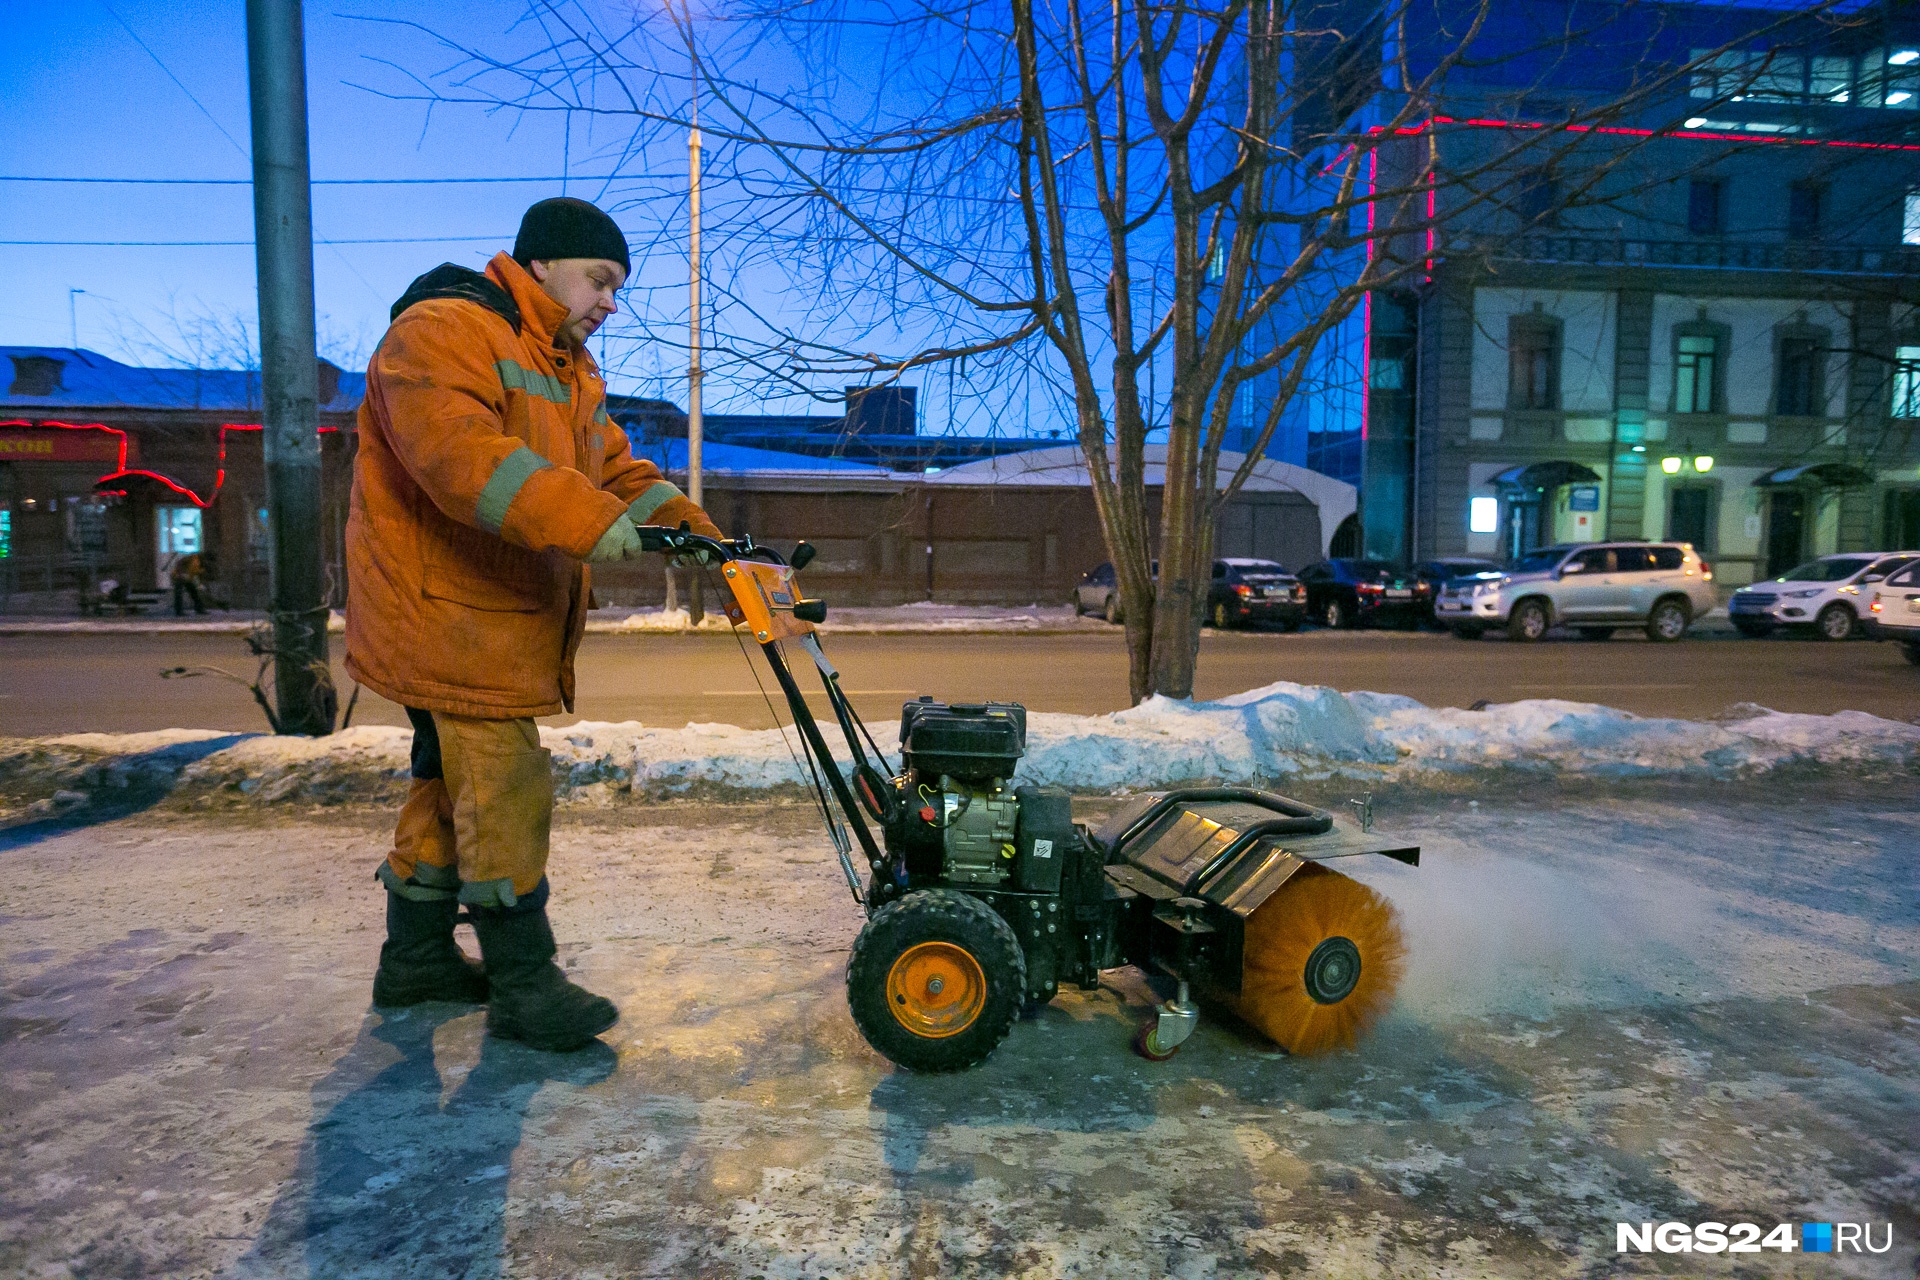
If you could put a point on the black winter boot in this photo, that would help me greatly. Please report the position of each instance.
(529, 998)
(420, 961)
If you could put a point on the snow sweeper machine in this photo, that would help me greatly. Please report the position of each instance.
(984, 897)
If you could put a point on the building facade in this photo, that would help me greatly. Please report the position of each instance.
(112, 472)
(1690, 314)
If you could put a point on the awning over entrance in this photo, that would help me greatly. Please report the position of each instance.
(1546, 475)
(150, 485)
(1815, 475)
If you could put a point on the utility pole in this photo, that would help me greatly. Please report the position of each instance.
(696, 427)
(73, 319)
(289, 375)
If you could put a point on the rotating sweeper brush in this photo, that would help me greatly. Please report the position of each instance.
(984, 897)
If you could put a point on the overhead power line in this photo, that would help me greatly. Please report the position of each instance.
(202, 244)
(335, 182)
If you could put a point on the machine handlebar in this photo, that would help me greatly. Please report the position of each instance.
(655, 537)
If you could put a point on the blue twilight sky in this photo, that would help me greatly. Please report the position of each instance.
(85, 99)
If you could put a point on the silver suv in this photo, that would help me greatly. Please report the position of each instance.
(1595, 588)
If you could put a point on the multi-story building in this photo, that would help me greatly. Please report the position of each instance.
(1694, 316)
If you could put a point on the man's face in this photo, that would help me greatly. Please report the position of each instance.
(585, 287)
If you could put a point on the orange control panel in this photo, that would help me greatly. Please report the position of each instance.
(763, 599)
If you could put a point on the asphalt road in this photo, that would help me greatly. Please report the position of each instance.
(69, 683)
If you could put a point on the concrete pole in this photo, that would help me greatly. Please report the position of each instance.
(283, 254)
(696, 427)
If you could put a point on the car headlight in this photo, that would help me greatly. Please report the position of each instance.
(1802, 595)
(1487, 588)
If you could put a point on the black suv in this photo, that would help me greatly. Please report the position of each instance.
(1348, 592)
(1248, 591)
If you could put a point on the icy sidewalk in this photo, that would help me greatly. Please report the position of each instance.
(1280, 731)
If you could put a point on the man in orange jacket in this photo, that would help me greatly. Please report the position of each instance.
(488, 471)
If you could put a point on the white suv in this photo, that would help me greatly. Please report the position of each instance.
(1595, 588)
(1895, 609)
(1830, 595)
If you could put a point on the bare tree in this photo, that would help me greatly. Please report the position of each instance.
(1084, 201)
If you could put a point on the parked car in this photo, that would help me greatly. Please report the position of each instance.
(1099, 592)
(1245, 591)
(1893, 611)
(1348, 592)
(1830, 595)
(1438, 573)
(1594, 588)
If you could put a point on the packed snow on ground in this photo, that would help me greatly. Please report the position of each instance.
(1278, 731)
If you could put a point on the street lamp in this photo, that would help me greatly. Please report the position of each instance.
(1671, 465)
(696, 426)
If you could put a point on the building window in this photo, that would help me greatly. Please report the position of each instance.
(1705, 202)
(1803, 211)
(1910, 224)
(1537, 197)
(179, 530)
(1533, 363)
(6, 532)
(1799, 389)
(1906, 383)
(1483, 515)
(1696, 369)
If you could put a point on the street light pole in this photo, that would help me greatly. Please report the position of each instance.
(289, 374)
(696, 426)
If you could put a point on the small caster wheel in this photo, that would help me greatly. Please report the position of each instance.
(1147, 1042)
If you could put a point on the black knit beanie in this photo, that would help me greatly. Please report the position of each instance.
(564, 227)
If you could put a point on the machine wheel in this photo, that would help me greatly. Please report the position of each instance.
(1221, 621)
(1336, 616)
(1836, 622)
(1754, 630)
(936, 980)
(1913, 653)
(1466, 631)
(1596, 633)
(1528, 621)
(1668, 621)
(1146, 1041)
(1113, 606)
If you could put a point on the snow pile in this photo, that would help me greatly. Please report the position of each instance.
(649, 621)
(1549, 734)
(919, 617)
(1281, 730)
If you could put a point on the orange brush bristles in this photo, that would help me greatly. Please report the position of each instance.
(1317, 904)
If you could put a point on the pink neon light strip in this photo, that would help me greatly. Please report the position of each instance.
(1481, 122)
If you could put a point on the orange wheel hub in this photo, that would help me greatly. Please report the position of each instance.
(936, 989)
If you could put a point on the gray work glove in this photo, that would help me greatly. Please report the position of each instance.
(702, 556)
(621, 541)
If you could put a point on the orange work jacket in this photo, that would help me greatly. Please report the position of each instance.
(486, 471)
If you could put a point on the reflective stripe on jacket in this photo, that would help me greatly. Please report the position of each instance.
(487, 469)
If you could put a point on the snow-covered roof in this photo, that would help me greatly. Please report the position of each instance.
(733, 459)
(88, 380)
(1067, 465)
